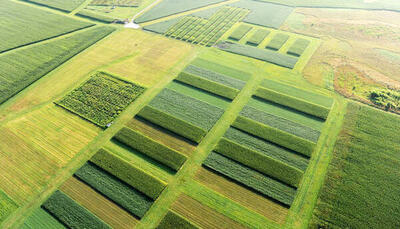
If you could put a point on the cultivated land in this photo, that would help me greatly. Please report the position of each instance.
(211, 114)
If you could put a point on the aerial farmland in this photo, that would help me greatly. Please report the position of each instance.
(199, 114)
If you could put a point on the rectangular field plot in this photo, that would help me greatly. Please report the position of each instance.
(259, 54)
(298, 47)
(257, 37)
(175, 220)
(101, 99)
(40, 218)
(23, 67)
(201, 31)
(22, 25)
(202, 215)
(240, 32)
(64, 5)
(277, 41)
(99, 205)
(70, 213)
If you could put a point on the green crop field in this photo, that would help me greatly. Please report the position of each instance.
(64, 5)
(145, 114)
(22, 25)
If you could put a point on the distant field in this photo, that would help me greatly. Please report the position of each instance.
(64, 5)
(21, 25)
(362, 184)
(21, 68)
(133, 3)
(383, 4)
(170, 7)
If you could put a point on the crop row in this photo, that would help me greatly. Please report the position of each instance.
(293, 102)
(298, 93)
(137, 178)
(276, 136)
(268, 148)
(174, 220)
(151, 148)
(206, 32)
(176, 125)
(260, 54)
(250, 178)
(71, 214)
(214, 76)
(101, 98)
(260, 162)
(208, 85)
(114, 189)
(281, 123)
(196, 112)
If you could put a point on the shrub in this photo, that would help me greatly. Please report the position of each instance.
(260, 54)
(151, 148)
(293, 102)
(114, 189)
(173, 220)
(240, 32)
(260, 162)
(72, 214)
(250, 178)
(276, 136)
(208, 85)
(258, 37)
(137, 178)
(173, 124)
(298, 47)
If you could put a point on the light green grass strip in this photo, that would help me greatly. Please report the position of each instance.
(292, 102)
(207, 85)
(279, 137)
(260, 162)
(137, 178)
(173, 124)
(7, 206)
(151, 148)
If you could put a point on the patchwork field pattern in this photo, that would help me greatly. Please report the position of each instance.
(264, 151)
(102, 98)
(23, 67)
(22, 25)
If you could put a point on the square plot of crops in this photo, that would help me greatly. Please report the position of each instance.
(102, 98)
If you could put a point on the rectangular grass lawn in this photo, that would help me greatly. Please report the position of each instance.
(21, 25)
(362, 185)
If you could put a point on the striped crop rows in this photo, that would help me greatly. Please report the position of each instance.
(206, 32)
